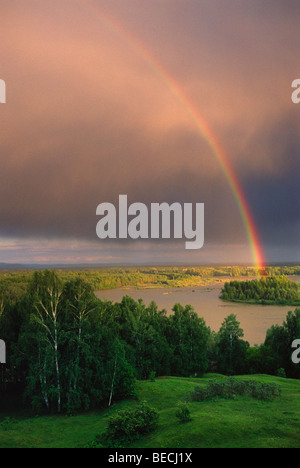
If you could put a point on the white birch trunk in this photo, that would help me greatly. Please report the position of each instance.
(112, 384)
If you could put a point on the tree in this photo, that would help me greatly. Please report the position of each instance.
(188, 337)
(143, 331)
(73, 360)
(46, 291)
(280, 339)
(121, 374)
(231, 349)
(78, 303)
(261, 360)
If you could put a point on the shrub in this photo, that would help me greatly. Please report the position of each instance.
(8, 423)
(127, 426)
(183, 413)
(230, 387)
(281, 373)
(199, 394)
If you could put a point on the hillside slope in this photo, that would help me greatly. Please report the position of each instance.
(243, 422)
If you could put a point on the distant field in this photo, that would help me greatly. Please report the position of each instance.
(15, 282)
(244, 422)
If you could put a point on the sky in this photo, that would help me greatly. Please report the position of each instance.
(91, 114)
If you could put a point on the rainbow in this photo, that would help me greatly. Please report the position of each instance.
(138, 48)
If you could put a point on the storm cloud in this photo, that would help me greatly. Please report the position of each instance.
(88, 118)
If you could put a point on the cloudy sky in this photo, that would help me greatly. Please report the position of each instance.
(91, 114)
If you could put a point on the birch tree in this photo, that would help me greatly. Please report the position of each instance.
(231, 349)
(79, 302)
(47, 291)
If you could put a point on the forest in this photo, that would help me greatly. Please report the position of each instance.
(270, 290)
(15, 282)
(68, 351)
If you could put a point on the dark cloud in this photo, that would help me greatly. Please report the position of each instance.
(89, 116)
(274, 194)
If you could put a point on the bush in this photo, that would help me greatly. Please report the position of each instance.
(127, 426)
(229, 388)
(8, 423)
(199, 394)
(281, 373)
(183, 413)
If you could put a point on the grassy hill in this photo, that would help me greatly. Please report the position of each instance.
(243, 422)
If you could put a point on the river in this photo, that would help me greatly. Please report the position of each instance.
(254, 319)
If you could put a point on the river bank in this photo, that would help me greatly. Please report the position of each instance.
(254, 319)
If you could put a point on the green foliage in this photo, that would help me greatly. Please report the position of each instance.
(157, 343)
(216, 423)
(127, 426)
(280, 338)
(261, 360)
(281, 373)
(66, 358)
(75, 352)
(8, 423)
(69, 351)
(231, 350)
(230, 388)
(16, 282)
(270, 290)
(188, 337)
(183, 413)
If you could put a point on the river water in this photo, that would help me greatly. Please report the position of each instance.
(254, 319)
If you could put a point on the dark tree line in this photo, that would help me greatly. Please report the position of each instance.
(60, 354)
(277, 290)
(68, 350)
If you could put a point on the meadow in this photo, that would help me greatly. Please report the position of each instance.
(64, 370)
(239, 423)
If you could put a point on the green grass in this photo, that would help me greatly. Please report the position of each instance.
(243, 422)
